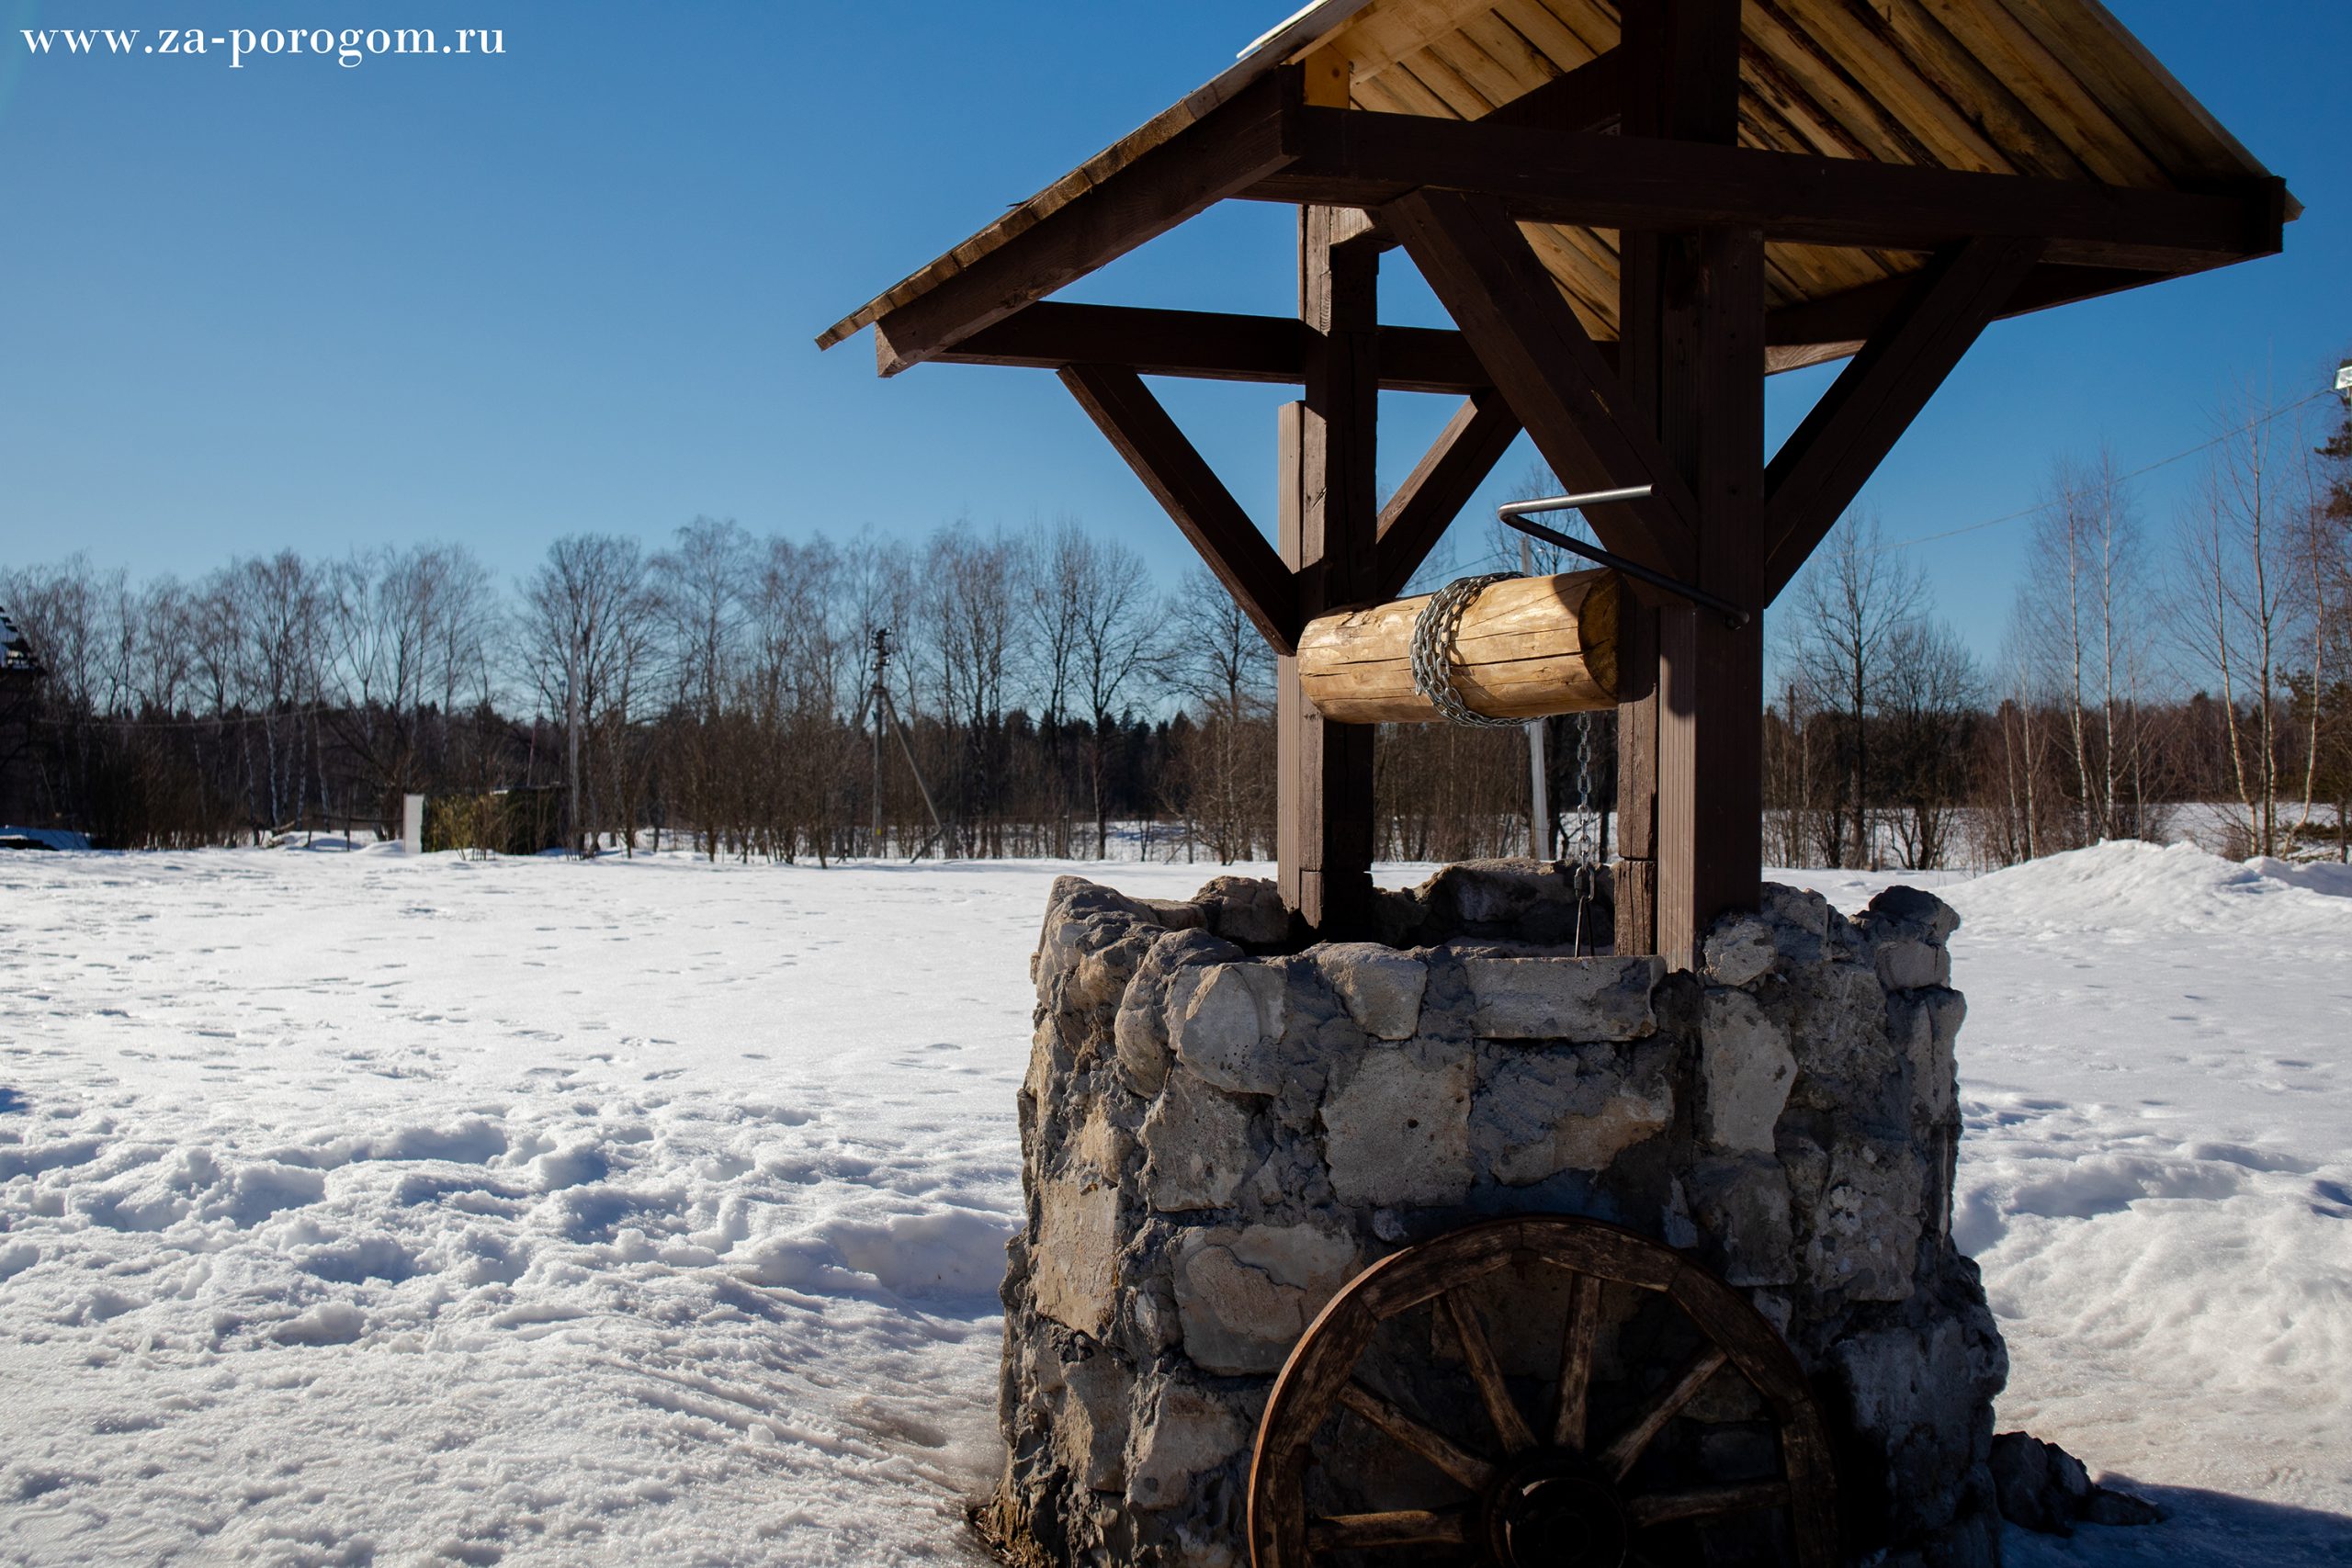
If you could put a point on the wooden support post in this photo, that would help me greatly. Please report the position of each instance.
(1692, 358)
(1330, 528)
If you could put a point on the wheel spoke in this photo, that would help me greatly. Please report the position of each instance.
(1479, 1356)
(1404, 1526)
(1468, 1469)
(1576, 1363)
(1619, 1458)
(1659, 1507)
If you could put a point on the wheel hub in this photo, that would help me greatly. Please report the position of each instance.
(1554, 1508)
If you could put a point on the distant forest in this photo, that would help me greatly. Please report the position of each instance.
(719, 691)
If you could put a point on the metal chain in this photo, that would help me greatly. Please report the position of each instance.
(1433, 633)
(1586, 839)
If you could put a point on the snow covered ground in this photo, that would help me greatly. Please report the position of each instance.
(361, 1209)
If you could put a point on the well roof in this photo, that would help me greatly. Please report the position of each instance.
(2057, 89)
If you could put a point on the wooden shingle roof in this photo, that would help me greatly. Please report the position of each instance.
(2053, 93)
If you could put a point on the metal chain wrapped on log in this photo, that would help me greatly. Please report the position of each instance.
(1524, 647)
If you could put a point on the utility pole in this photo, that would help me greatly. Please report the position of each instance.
(1539, 804)
(886, 714)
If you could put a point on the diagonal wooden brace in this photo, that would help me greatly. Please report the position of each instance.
(1175, 473)
(1823, 465)
(1549, 370)
(1440, 486)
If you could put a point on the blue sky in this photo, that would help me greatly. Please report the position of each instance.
(573, 288)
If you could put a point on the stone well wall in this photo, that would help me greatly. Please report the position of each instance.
(1217, 1134)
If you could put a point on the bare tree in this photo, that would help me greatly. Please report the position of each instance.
(1928, 709)
(583, 641)
(973, 614)
(1058, 568)
(410, 636)
(1220, 662)
(1852, 598)
(2082, 637)
(1118, 648)
(2248, 607)
(696, 590)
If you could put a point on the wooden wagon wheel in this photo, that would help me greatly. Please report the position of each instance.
(1538, 1494)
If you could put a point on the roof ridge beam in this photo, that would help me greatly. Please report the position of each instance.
(1368, 157)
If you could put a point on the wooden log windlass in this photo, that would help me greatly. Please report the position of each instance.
(1525, 648)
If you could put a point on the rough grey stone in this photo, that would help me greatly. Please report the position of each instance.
(1177, 915)
(1739, 950)
(2041, 1485)
(1563, 998)
(1577, 1108)
(1077, 1253)
(1246, 910)
(1741, 1207)
(1090, 1426)
(1101, 1149)
(1805, 929)
(1197, 1146)
(1747, 1068)
(1866, 1226)
(1244, 1295)
(1139, 1028)
(1913, 913)
(1906, 964)
(1188, 1430)
(1399, 1132)
(1926, 1025)
(1380, 987)
(1139, 1039)
(1222, 1021)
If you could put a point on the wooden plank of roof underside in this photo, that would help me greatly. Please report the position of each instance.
(1451, 74)
(1941, 62)
(1390, 30)
(1823, 90)
(1583, 262)
(1778, 115)
(2116, 68)
(1567, 41)
(1794, 275)
(1986, 29)
(1857, 41)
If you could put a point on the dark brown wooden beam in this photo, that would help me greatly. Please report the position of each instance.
(1208, 345)
(1173, 470)
(1440, 486)
(1323, 820)
(1552, 373)
(1590, 97)
(1826, 460)
(1106, 213)
(1690, 311)
(1838, 325)
(1200, 343)
(1359, 157)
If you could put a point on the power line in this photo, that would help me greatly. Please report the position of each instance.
(2146, 469)
(1496, 557)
